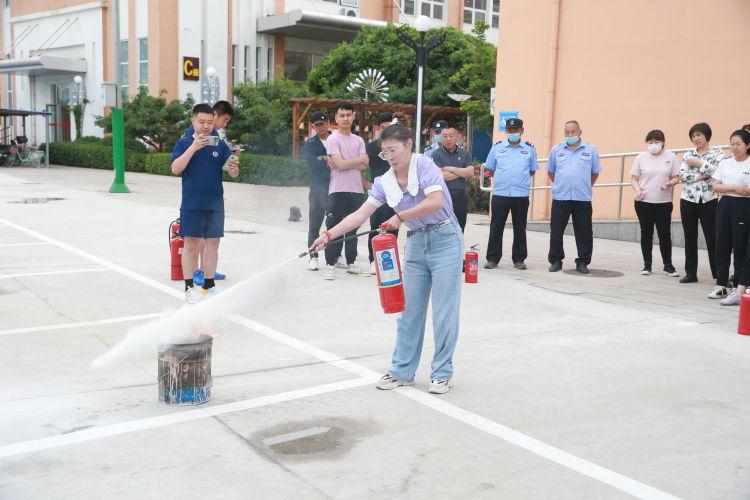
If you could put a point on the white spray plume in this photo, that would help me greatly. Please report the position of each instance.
(190, 323)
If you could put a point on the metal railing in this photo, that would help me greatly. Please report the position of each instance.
(618, 185)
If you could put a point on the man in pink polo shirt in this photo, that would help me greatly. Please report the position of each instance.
(345, 193)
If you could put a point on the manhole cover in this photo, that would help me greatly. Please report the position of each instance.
(596, 273)
(36, 200)
(237, 231)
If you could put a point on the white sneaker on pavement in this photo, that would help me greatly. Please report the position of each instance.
(341, 263)
(441, 386)
(313, 264)
(330, 272)
(195, 294)
(719, 292)
(373, 271)
(352, 269)
(733, 299)
(388, 382)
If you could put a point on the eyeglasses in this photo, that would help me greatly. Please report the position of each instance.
(388, 153)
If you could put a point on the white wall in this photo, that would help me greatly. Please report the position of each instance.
(189, 38)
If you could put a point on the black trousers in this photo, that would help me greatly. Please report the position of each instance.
(318, 201)
(339, 206)
(518, 206)
(382, 214)
(460, 206)
(659, 214)
(691, 213)
(584, 233)
(731, 237)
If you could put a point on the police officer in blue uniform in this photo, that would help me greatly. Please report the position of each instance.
(514, 163)
(317, 159)
(573, 169)
(437, 129)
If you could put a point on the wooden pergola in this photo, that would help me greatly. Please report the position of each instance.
(366, 114)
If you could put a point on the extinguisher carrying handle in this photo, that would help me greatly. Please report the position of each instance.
(307, 252)
(169, 233)
(474, 247)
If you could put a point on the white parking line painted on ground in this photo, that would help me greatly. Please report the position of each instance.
(293, 436)
(174, 418)
(602, 474)
(45, 273)
(30, 244)
(80, 324)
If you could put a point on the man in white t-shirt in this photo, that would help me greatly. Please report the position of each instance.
(348, 158)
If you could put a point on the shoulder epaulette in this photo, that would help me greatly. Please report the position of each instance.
(529, 144)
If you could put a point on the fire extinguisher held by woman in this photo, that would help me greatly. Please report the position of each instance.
(415, 189)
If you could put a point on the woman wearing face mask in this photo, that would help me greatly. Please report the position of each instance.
(732, 181)
(653, 175)
(415, 189)
(698, 201)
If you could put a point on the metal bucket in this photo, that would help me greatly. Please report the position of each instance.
(185, 373)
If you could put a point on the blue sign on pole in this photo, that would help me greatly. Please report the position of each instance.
(503, 117)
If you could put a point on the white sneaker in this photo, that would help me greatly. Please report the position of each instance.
(313, 265)
(352, 269)
(373, 271)
(330, 272)
(441, 386)
(719, 292)
(195, 294)
(733, 299)
(387, 382)
(210, 292)
(341, 263)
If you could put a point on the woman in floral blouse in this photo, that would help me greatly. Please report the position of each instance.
(698, 201)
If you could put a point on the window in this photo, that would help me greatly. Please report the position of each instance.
(475, 10)
(247, 62)
(408, 7)
(495, 13)
(297, 65)
(269, 65)
(143, 62)
(433, 8)
(257, 64)
(234, 64)
(124, 69)
(10, 90)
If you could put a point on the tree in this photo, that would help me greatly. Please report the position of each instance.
(153, 120)
(471, 57)
(263, 115)
(78, 113)
(476, 77)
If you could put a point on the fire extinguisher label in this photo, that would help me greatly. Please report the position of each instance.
(389, 272)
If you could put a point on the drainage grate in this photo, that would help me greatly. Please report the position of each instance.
(596, 273)
(36, 200)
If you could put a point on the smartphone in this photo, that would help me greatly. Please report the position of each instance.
(213, 140)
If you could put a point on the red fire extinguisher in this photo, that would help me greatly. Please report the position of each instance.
(175, 250)
(471, 265)
(743, 325)
(388, 266)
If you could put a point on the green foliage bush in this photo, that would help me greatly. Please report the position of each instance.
(254, 169)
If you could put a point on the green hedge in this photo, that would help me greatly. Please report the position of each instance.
(254, 169)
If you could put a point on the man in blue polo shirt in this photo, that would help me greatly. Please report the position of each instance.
(514, 163)
(199, 160)
(573, 169)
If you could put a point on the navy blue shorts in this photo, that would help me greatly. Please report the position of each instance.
(202, 223)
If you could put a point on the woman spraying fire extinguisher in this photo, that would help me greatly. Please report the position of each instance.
(415, 189)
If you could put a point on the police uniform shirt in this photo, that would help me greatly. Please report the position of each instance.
(458, 158)
(512, 166)
(320, 174)
(573, 169)
(430, 150)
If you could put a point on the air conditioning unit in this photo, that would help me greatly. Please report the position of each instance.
(350, 12)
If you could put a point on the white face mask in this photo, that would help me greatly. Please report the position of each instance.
(654, 147)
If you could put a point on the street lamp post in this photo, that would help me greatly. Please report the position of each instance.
(210, 87)
(422, 48)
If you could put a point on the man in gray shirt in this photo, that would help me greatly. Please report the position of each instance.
(456, 165)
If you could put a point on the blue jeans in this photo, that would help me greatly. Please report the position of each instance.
(432, 263)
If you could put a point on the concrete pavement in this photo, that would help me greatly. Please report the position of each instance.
(567, 386)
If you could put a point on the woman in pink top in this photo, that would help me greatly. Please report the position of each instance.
(653, 175)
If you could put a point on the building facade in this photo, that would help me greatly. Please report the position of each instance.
(167, 45)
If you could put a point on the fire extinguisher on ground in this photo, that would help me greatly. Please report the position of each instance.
(471, 264)
(388, 270)
(176, 243)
